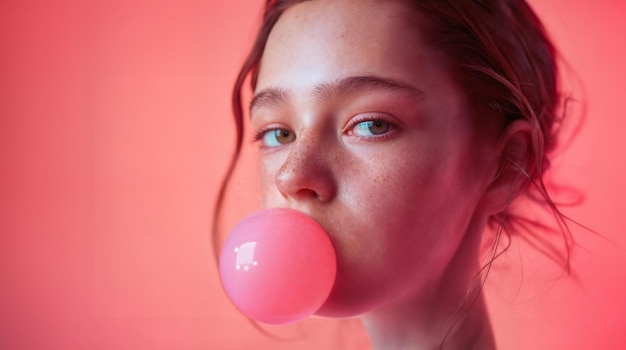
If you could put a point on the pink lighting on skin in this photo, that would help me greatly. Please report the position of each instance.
(115, 131)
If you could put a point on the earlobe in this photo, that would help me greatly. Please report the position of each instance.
(517, 148)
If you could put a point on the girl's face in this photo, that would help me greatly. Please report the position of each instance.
(362, 126)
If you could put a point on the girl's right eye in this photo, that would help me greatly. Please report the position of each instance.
(275, 137)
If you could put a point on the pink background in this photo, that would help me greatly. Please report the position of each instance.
(115, 131)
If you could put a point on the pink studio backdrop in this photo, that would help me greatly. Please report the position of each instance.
(115, 131)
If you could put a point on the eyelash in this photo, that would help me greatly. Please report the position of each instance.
(349, 129)
(260, 134)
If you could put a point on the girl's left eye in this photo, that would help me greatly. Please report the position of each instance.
(275, 137)
(372, 128)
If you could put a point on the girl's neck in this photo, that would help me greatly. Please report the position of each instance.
(410, 328)
(449, 315)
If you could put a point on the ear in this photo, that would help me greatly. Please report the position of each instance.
(517, 148)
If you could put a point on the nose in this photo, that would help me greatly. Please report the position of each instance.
(307, 173)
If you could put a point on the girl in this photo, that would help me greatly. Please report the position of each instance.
(406, 129)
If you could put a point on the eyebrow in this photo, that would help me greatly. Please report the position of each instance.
(350, 85)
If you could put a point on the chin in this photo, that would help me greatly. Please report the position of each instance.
(346, 305)
(337, 310)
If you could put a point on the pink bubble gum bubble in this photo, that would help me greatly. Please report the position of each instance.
(278, 266)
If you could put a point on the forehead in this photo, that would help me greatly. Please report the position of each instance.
(317, 41)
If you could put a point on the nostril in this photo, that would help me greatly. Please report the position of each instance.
(306, 174)
(309, 193)
(306, 184)
(301, 194)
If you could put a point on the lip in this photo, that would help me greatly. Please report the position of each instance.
(322, 220)
(305, 212)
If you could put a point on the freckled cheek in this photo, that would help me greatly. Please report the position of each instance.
(267, 183)
(400, 195)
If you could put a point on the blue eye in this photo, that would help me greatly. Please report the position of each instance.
(372, 128)
(276, 137)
